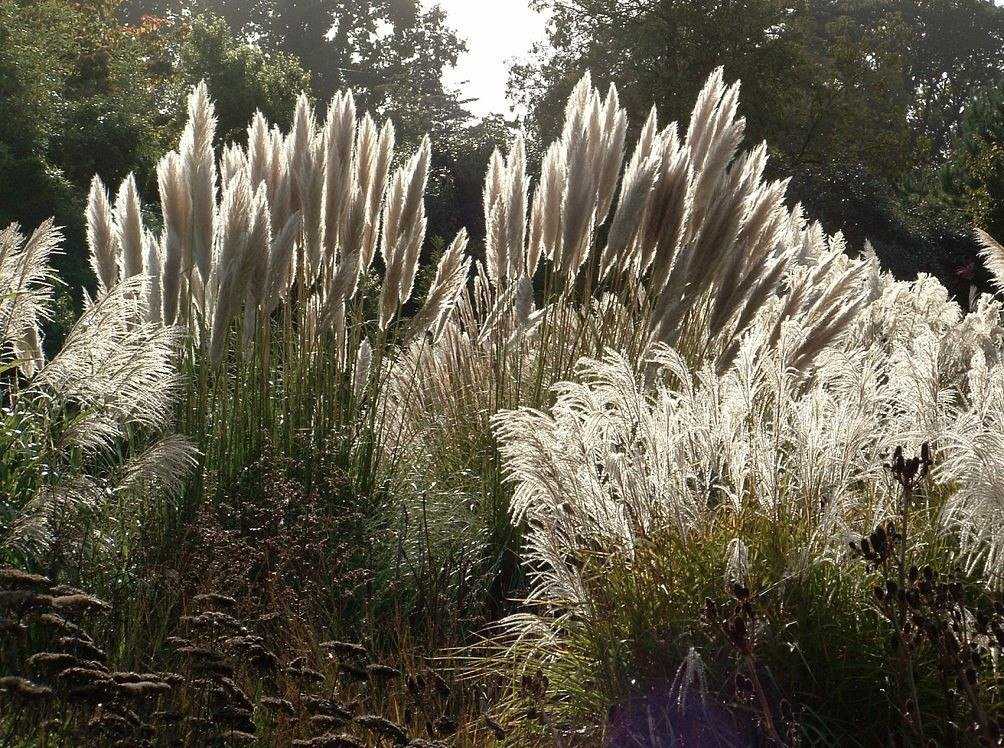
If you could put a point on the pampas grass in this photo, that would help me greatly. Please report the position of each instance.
(71, 422)
(660, 374)
(102, 237)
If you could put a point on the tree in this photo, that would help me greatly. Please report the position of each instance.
(392, 53)
(456, 179)
(973, 180)
(79, 97)
(822, 79)
(955, 49)
(85, 93)
(241, 77)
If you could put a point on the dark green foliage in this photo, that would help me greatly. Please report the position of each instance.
(85, 94)
(241, 77)
(79, 97)
(912, 231)
(973, 179)
(390, 52)
(457, 176)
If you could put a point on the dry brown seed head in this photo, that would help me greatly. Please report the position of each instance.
(52, 661)
(326, 722)
(15, 579)
(214, 599)
(353, 672)
(144, 688)
(80, 603)
(81, 646)
(65, 589)
(23, 688)
(58, 622)
(96, 691)
(384, 727)
(279, 705)
(383, 672)
(83, 675)
(329, 740)
(346, 648)
(237, 737)
(24, 601)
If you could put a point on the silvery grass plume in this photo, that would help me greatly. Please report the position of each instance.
(102, 237)
(975, 430)
(26, 280)
(295, 216)
(756, 453)
(121, 248)
(199, 164)
(108, 391)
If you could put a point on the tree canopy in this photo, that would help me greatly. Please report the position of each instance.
(392, 53)
(84, 93)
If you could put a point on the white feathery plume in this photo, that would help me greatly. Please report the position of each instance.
(627, 221)
(517, 187)
(547, 209)
(339, 137)
(199, 164)
(280, 259)
(129, 221)
(153, 268)
(410, 248)
(992, 254)
(417, 172)
(496, 260)
(277, 178)
(376, 185)
(231, 270)
(102, 237)
(176, 206)
(163, 466)
(310, 188)
(366, 154)
(26, 279)
(578, 208)
(611, 152)
(666, 213)
(259, 153)
(121, 368)
(233, 161)
(258, 247)
(403, 232)
(451, 277)
(114, 375)
(364, 358)
(298, 146)
(345, 278)
(28, 351)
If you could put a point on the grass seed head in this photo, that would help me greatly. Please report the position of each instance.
(383, 727)
(23, 689)
(279, 705)
(329, 740)
(346, 648)
(16, 579)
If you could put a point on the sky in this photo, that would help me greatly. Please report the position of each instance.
(496, 31)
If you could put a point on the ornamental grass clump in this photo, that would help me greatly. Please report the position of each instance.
(731, 376)
(266, 258)
(87, 432)
(637, 483)
(691, 250)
